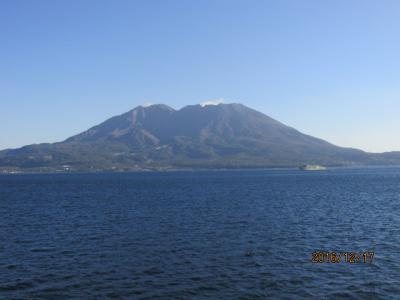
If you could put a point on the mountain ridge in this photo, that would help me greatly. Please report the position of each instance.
(159, 137)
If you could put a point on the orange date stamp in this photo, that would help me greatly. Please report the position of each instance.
(342, 257)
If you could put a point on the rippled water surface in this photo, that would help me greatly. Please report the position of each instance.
(199, 235)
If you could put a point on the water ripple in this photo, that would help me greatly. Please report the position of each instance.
(199, 235)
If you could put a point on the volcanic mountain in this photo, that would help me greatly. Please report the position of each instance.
(212, 136)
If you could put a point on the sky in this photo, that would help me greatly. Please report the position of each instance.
(330, 69)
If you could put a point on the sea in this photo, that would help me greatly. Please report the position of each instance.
(201, 235)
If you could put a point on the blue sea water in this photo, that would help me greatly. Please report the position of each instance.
(199, 235)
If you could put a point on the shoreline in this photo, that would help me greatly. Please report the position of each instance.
(175, 170)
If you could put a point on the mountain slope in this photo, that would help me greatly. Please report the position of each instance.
(214, 136)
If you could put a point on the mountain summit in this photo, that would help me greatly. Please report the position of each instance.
(196, 136)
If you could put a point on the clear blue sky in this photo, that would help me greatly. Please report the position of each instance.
(328, 68)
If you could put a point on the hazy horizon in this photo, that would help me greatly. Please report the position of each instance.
(330, 70)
